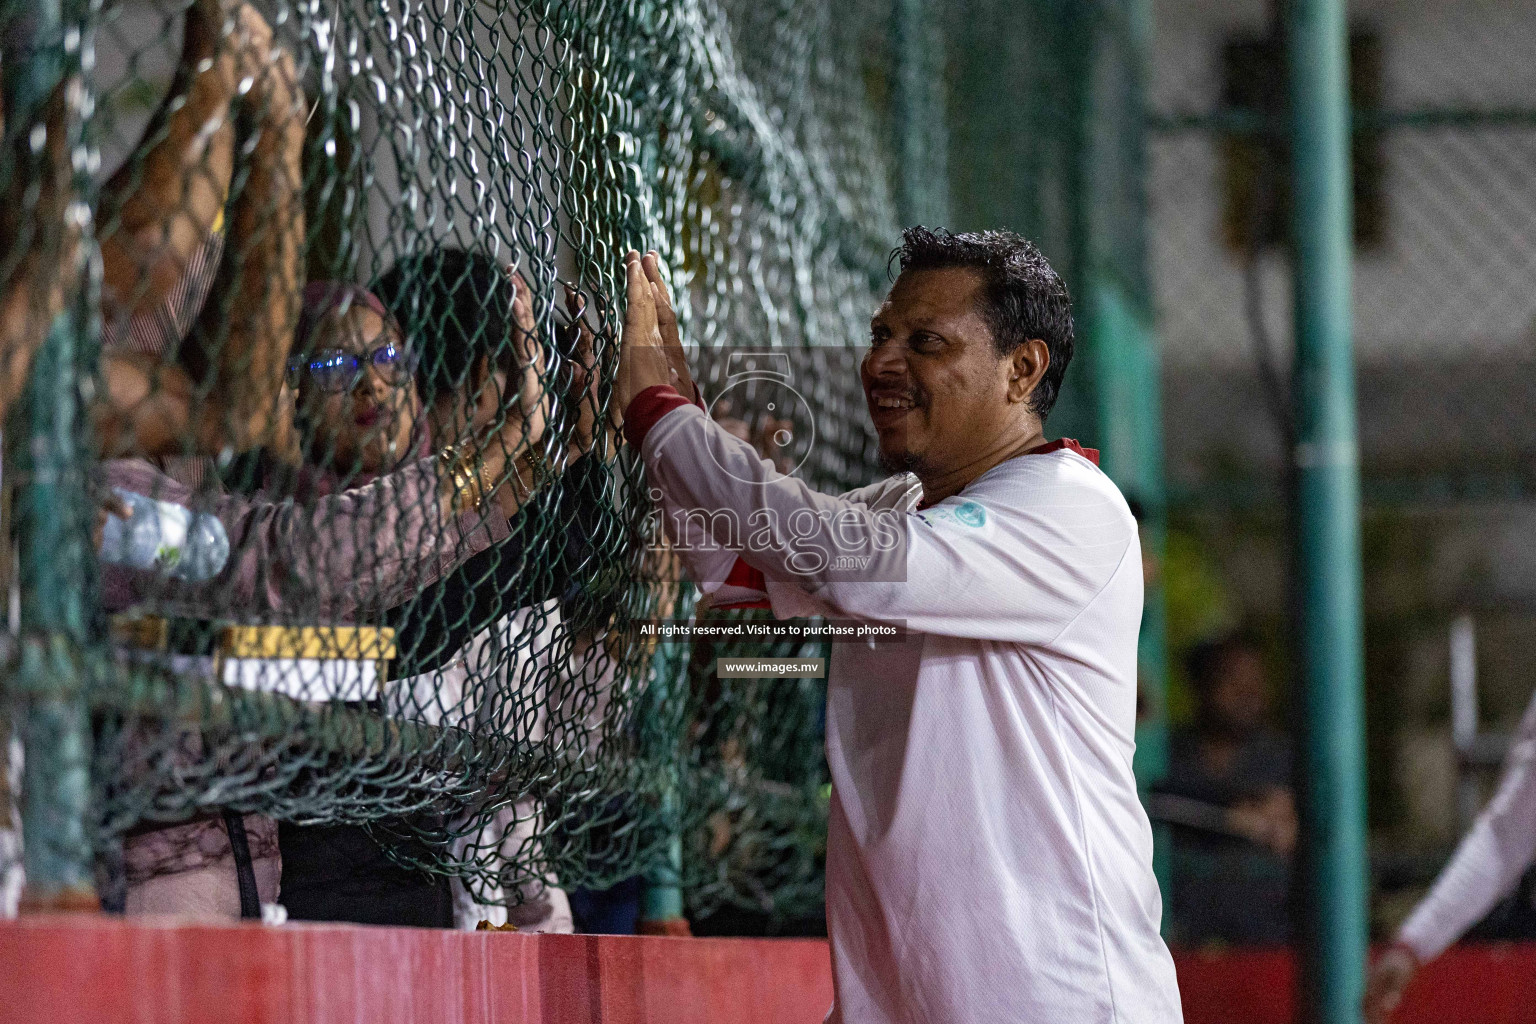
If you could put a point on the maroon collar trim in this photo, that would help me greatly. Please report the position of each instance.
(1091, 454)
(1064, 444)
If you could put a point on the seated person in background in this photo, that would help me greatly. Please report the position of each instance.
(1231, 872)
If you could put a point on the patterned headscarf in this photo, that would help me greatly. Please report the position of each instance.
(321, 297)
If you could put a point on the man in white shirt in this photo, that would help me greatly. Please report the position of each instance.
(1486, 866)
(987, 857)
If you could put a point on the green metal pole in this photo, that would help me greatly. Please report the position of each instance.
(53, 530)
(918, 115)
(1114, 311)
(661, 903)
(1327, 521)
(1151, 762)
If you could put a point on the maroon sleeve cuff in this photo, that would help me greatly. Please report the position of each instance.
(744, 576)
(646, 410)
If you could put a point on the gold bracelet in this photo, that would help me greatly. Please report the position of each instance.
(461, 470)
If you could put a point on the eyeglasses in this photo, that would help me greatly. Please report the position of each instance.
(336, 370)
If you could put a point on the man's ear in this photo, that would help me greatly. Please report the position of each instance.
(1026, 368)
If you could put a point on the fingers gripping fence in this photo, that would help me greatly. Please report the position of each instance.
(338, 287)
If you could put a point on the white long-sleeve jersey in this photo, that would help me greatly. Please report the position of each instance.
(1489, 861)
(987, 857)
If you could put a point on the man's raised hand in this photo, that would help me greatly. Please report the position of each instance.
(666, 322)
(643, 361)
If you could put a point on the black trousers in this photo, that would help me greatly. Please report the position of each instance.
(340, 873)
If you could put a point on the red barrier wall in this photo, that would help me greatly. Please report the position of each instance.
(1468, 985)
(102, 971)
(98, 970)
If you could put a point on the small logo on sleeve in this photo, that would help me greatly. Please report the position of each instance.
(967, 513)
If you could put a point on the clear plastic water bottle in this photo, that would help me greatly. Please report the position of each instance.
(165, 537)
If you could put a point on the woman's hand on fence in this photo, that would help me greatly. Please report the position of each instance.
(527, 415)
(506, 465)
(581, 390)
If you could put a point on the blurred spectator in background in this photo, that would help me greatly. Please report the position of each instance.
(178, 313)
(39, 241)
(1228, 796)
(201, 275)
(1489, 862)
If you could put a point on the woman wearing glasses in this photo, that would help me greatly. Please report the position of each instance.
(387, 513)
(382, 510)
(359, 412)
(369, 401)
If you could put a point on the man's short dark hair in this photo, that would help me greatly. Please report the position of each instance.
(454, 307)
(1022, 296)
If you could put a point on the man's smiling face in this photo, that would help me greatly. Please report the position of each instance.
(936, 388)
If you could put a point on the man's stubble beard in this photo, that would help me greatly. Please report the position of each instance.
(903, 461)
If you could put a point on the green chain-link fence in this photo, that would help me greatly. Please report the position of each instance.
(339, 281)
(228, 160)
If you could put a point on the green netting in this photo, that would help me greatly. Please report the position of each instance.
(439, 466)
